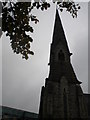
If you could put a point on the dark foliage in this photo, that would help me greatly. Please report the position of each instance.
(71, 7)
(16, 18)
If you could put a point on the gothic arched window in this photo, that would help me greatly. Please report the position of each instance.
(61, 56)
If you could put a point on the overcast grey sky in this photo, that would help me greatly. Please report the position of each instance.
(22, 80)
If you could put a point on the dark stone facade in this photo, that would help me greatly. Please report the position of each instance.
(62, 96)
(87, 99)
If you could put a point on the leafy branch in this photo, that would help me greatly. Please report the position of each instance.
(16, 22)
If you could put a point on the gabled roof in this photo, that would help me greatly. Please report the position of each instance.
(58, 34)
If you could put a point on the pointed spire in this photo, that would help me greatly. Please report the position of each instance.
(58, 34)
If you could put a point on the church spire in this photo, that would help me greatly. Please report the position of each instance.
(60, 64)
(58, 34)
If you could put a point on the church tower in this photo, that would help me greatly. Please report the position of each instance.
(62, 96)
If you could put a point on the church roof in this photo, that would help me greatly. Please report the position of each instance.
(58, 34)
(17, 113)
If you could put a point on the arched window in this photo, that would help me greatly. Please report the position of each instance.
(61, 56)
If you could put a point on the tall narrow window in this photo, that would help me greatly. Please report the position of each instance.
(65, 104)
(61, 56)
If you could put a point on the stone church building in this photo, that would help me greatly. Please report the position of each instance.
(62, 96)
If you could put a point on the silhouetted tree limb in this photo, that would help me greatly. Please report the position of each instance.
(16, 19)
